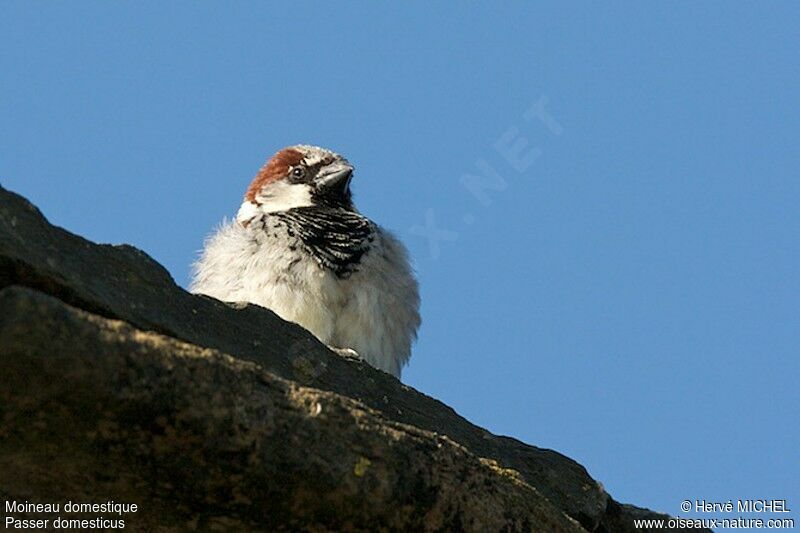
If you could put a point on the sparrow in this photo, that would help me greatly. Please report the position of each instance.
(299, 247)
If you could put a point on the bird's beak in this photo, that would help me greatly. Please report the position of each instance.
(335, 177)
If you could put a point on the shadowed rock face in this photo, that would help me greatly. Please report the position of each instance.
(118, 385)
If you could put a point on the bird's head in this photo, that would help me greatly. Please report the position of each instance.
(298, 176)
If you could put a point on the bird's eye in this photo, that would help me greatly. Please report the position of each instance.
(298, 172)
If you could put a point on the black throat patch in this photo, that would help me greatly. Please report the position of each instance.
(336, 237)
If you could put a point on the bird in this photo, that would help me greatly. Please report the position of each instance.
(299, 247)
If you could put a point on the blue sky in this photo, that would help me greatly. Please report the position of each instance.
(627, 295)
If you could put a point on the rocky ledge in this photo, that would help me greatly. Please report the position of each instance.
(119, 386)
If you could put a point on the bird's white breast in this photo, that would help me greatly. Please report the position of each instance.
(373, 311)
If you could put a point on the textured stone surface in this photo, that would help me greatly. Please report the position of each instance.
(197, 437)
(177, 424)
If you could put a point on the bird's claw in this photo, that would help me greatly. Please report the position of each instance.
(347, 353)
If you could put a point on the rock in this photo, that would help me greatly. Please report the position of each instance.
(120, 385)
(196, 436)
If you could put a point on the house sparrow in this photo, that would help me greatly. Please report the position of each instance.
(298, 246)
